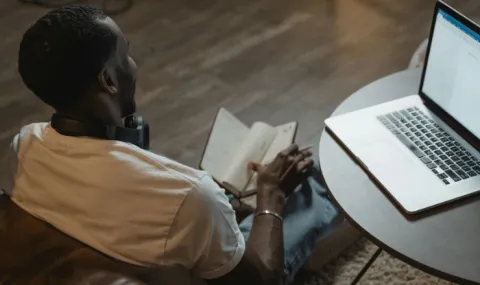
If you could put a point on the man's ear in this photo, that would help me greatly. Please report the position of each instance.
(106, 82)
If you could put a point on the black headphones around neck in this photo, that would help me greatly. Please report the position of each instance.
(135, 130)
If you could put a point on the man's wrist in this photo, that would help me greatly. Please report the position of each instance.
(271, 199)
(268, 212)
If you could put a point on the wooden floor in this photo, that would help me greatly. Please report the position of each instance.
(270, 60)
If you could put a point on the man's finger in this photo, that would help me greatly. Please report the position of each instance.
(305, 169)
(253, 166)
(289, 150)
(302, 155)
(307, 173)
(307, 152)
(305, 165)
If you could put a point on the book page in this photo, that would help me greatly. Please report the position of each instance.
(253, 148)
(285, 135)
(284, 138)
(225, 139)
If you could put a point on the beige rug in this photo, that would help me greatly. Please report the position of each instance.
(386, 270)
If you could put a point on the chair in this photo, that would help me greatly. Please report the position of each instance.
(34, 253)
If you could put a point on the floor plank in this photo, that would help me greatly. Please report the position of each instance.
(269, 60)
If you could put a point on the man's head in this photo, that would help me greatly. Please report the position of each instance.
(76, 59)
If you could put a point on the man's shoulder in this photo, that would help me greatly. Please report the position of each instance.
(35, 129)
(26, 133)
(152, 161)
(118, 159)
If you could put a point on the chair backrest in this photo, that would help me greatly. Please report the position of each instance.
(34, 253)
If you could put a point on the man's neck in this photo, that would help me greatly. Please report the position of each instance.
(90, 118)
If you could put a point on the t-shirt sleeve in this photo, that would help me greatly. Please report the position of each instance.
(205, 236)
(8, 168)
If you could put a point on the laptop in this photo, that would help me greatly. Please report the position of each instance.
(420, 148)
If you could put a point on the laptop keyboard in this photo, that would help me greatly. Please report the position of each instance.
(445, 157)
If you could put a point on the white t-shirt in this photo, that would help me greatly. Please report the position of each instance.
(126, 202)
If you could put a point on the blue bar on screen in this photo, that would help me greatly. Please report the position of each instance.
(459, 25)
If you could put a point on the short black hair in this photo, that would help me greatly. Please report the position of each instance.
(62, 53)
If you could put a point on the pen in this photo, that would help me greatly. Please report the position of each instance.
(306, 147)
(254, 165)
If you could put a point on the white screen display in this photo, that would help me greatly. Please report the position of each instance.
(452, 77)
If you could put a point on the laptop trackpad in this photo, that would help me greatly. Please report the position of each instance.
(384, 156)
(397, 171)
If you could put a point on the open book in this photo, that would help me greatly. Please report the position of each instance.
(232, 145)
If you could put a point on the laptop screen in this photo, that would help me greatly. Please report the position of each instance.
(452, 77)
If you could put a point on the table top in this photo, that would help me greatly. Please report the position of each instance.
(445, 243)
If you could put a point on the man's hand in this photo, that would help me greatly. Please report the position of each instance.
(281, 177)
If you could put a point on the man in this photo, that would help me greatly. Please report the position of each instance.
(131, 204)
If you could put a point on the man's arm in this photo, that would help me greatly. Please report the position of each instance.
(262, 262)
(205, 237)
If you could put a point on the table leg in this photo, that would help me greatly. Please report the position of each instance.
(367, 266)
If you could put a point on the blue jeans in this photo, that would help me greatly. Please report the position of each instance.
(309, 215)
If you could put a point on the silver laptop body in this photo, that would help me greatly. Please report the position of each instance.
(420, 148)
